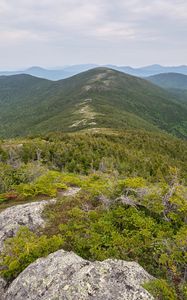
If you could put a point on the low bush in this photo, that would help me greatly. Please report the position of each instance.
(25, 248)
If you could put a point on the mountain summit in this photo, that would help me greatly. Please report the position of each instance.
(98, 98)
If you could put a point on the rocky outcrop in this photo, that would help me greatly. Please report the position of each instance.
(29, 215)
(66, 276)
(21, 215)
(70, 192)
(3, 284)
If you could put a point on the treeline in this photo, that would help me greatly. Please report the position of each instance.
(131, 153)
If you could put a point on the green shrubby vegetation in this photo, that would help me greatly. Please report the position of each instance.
(132, 204)
(25, 248)
(130, 153)
(46, 184)
(97, 228)
(161, 290)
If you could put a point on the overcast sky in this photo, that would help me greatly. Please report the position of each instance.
(62, 32)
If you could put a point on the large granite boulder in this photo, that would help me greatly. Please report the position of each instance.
(66, 276)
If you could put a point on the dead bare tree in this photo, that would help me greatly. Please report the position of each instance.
(168, 206)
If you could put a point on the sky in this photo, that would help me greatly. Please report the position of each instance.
(54, 33)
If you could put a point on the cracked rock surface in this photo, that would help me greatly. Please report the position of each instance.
(64, 275)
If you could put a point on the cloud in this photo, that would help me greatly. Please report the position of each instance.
(100, 23)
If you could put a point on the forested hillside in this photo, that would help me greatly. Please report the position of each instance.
(170, 80)
(99, 98)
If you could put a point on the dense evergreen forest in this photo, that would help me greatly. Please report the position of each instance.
(132, 202)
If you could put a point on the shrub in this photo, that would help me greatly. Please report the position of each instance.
(25, 248)
(134, 182)
(45, 185)
(161, 290)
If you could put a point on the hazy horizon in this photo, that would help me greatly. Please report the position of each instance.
(22, 68)
(51, 33)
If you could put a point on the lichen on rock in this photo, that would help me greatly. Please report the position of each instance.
(64, 275)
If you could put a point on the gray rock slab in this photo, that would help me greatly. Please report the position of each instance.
(66, 276)
(12, 218)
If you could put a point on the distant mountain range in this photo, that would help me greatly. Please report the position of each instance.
(150, 70)
(68, 71)
(55, 74)
(170, 81)
(174, 83)
(98, 98)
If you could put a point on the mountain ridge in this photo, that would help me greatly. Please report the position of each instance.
(170, 80)
(101, 97)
